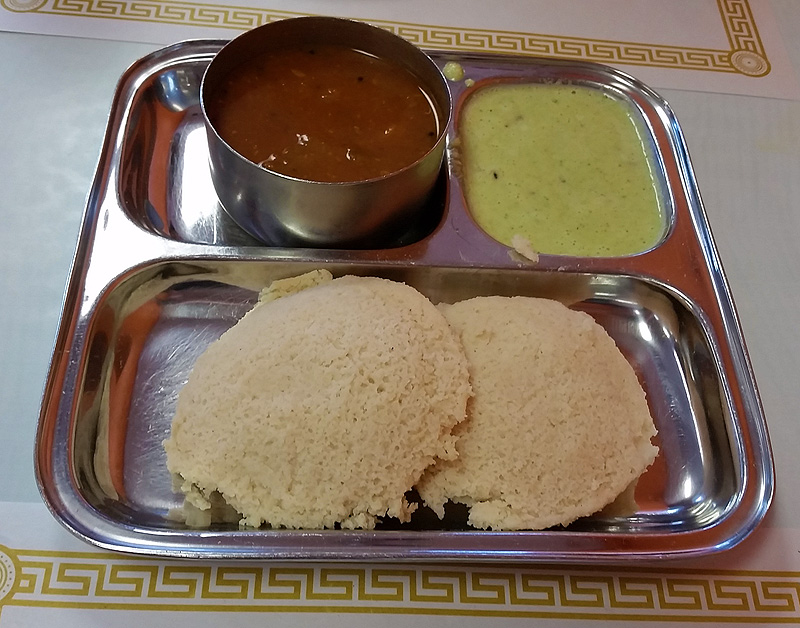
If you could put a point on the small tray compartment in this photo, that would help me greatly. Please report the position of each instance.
(165, 184)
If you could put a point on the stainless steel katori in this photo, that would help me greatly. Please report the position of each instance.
(281, 210)
(161, 271)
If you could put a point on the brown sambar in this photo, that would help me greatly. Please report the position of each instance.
(326, 113)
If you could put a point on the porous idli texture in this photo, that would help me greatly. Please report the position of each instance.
(322, 407)
(558, 427)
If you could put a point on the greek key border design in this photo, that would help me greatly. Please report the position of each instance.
(746, 54)
(94, 580)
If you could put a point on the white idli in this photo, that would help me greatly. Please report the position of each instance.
(322, 407)
(558, 427)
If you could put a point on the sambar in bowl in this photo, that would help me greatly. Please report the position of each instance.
(325, 132)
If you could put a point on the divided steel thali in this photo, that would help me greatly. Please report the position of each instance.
(161, 270)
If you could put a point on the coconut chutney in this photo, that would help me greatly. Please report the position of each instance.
(562, 165)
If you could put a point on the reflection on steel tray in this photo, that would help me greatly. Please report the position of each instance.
(160, 271)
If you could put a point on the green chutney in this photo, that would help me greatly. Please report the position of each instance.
(561, 165)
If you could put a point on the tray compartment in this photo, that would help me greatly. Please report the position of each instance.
(579, 125)
(154, 324)
(165, 184)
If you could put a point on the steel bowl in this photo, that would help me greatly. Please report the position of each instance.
(281, 210)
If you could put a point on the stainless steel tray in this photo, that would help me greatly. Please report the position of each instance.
(160, 271)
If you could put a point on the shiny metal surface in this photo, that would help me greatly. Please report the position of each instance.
(284, 211)
(160, 271)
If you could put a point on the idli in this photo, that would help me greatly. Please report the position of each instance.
(322, 407)
(558, 426)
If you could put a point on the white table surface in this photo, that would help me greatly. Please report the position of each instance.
(56, 93)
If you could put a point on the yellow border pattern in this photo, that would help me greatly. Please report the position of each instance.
(95, 580)
(745, 55)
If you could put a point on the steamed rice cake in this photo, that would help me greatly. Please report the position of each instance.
(322, 407)
(558, 426)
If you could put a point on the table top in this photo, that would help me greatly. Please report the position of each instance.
(746, 155)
